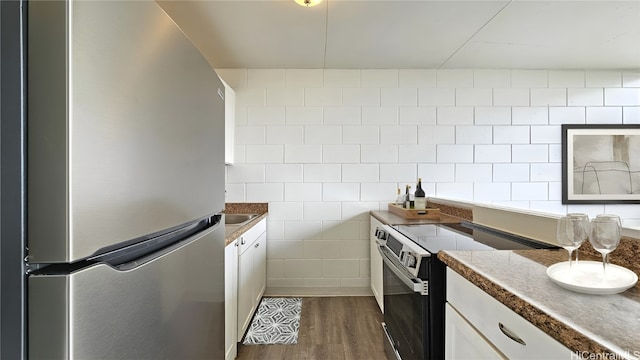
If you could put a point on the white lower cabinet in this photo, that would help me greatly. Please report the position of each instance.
(475, 320)
(231, 300)
(376, 264)
(245, 279)
(260, 267)
(245, 291)
(463, 341)
(252, 274)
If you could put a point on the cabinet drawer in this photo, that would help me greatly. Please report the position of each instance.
(462, 341)
(250, 236)
(499, 324)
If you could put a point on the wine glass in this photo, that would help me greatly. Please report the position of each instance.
(611, 216)
(571, 231)
(605, 236)
(582, 228)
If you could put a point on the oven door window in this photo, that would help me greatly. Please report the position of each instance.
(405, 314)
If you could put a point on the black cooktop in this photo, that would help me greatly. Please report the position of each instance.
(466, 236)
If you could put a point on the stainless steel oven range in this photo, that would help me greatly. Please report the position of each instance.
(414, 280)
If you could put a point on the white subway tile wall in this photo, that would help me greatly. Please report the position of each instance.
(500, 115)
(324, 147)
(303, 115)
(309, 191)
(491, 78)
(276, 135)
(603, 79)
(604, 115)
(436, 96)
(510, 97)
(631, 115)
(285, 97)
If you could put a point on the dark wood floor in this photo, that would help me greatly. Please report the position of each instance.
(332, 328)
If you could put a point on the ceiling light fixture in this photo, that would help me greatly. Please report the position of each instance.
(308, 3)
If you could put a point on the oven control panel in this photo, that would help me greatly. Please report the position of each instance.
(381, 235)
(403, 249)
(409, 259)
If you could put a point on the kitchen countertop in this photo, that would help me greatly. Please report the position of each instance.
(595, 326)
(598, 324)
(232, 232)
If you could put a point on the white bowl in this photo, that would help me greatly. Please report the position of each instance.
(587, 277)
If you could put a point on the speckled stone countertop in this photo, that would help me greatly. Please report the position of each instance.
(606, 326)
(232, 232)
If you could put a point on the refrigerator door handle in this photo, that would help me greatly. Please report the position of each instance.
(126, 257)
(196, 233)
(139, 251)
(216, 219)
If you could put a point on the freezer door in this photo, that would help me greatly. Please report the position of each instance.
(126, 127)
(171, 307)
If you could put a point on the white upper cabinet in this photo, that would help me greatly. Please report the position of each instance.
(229, 122)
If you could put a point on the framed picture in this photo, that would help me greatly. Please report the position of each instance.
(600, 164)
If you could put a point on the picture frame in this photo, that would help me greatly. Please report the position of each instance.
(600, 164)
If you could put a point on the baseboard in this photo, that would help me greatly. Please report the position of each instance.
(318, 291)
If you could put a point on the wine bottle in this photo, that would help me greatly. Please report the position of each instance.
(407, 198)
(399, 198)
(420, 198)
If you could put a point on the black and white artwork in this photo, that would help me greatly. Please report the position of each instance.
(601, 164)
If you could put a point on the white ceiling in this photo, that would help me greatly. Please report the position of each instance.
(574, 34)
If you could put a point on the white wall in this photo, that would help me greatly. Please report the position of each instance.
(325, 146)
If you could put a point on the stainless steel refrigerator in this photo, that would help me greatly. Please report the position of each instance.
(125, 186)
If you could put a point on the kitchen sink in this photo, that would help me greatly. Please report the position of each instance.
(238, 219)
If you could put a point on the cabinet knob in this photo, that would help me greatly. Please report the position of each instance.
(242, 241)
(258, 244)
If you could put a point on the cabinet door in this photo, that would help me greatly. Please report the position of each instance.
(376, 264)
(462, 341)
(245, 291)
(230, 299)
(260, 267)
(499, 324)
(252, 273)
(229, 122)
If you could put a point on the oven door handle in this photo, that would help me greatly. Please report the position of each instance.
(413, 283)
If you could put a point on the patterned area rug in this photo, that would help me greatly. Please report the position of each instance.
(276, 321)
